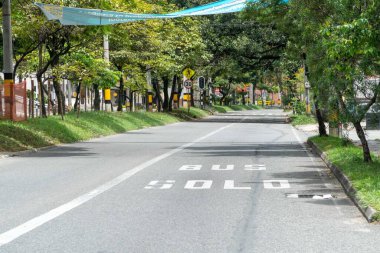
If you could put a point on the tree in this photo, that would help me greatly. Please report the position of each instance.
(353, 53)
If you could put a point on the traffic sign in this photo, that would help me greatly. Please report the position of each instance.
(188, 73)
(201, 82)
(188, 84)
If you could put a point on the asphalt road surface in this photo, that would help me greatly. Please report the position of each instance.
(236, 182)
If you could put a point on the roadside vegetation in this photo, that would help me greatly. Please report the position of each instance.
(365, 177)
(302, 119)
(231, 108)
(39, 132)
(42, 132)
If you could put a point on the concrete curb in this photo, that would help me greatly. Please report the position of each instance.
(367, 211)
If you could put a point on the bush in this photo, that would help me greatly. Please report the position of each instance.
(299, 106)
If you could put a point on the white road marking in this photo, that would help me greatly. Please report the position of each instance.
(162, 185)
(230, 185)
(218, 167)
(38, 221)
(337, 207)
(308, 196)
(254, 167)
(191, 167)
(198, 184)
(284, 184)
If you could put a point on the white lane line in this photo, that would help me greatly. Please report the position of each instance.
(28, 226)
(337, 207)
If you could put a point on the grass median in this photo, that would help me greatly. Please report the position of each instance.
(349, 158)
(38, 132)
(224, 108)
(300, 119)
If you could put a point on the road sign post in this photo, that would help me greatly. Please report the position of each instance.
(201, 84)
(188, 84)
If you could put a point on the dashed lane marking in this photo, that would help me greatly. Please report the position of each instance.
(309, 196)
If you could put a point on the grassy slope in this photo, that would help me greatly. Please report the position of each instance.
(223, 109)
(349, 158)
(297, 120)
(36, 133)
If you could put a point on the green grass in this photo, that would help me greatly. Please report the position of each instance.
(37, 133)
(349, 158)
(297, 120)
(195, 113)
(224, 109)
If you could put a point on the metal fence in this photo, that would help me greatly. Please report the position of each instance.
(13, 101)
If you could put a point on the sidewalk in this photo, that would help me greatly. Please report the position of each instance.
(373, 136)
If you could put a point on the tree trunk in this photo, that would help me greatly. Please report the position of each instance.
(243, 98)
(174, 87)
(165, 104)
(222, 99)
(121, 95)
(131, 100)
(179, 90)
(366, 152)
(96, 97)
(77, 97)
(321, 123)
(60, 97)
(156, 87)
(254, 93)
(41, 91)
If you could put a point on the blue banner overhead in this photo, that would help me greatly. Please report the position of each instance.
(82, 16)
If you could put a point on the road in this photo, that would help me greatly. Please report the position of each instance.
(236, 182)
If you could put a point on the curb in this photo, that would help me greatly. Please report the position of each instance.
(367, 211)
(27, 151)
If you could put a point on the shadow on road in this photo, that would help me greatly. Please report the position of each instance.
(61, 152)
(262, 120)
(263, 150)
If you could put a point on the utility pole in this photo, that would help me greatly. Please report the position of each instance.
(107, 91)
(8, 57)
(149, 94)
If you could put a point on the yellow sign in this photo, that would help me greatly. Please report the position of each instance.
(150, 99)
(188, 73)
(107, 94)
(175, 97)
(8, 87)
(187, 97)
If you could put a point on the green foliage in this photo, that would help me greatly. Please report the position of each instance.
(364, 177)
(300, 119)
(299, 106)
